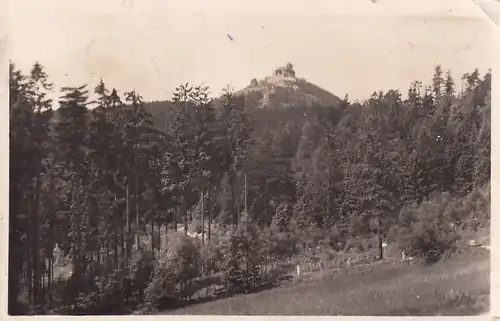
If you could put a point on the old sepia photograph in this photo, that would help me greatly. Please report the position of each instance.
(272, 158)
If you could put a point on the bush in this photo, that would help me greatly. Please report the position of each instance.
(279, 245)
(242, 253)
(336, 240)
(104, 291)
(309, 237)
(426, 231)
(212, 256)
(107, 297)
(174, 272)
(141, 268)
(355, 245)
(100, 291)
(232, 253)
(476, 208)
(283, 217)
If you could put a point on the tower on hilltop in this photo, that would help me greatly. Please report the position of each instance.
(286, 71)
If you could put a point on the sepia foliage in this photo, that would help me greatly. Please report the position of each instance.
(115, 206)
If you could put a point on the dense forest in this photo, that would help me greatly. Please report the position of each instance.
(119, 204)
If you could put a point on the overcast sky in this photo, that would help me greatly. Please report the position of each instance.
(350, 46)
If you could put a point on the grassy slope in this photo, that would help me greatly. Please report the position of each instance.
(458, 286)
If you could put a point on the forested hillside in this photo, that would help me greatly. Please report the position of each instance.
(119, 204)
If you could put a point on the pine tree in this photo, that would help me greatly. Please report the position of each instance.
(237, 140)
(482, 168)
(38, 88)
(20, 174)
(104, 153)
(437, 81)
(449, 86)
(71, 139)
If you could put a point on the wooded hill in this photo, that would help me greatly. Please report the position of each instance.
(276, 171)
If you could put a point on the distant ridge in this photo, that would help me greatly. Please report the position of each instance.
(283, 89)
(280, 90)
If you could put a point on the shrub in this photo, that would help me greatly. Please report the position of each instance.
(310, 236)
(283, 217)
(105, 298)
(174, 272)
(243, 256)
(426, 231)
(476, 208)
(102, 291)
(231, 264)
(141, 268)
(212, 256)
(355, 245)
(280, 245)
(336, 240)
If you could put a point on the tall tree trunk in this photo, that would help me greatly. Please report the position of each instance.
(29, 269)
(202, 252)
(137, 218)
(166, 234)
(209, 208)
(48, 288)
(115, 241)
(122, 261)
(76, 246)
(129, 238)
(43, 274)
(246, 195)
(15, 277)
(328, 197)
(202, 196)
(186, 222)
(153, 237)
(123, 246)
(380, 248)
(36, 250)
(176, 210)
(238, 199)
(108, 259)
(266, 203)
(98, 253)
(18, 252)
(158, 242)
(379, 239)
(185, 213)
(50, 276)
(232, 207)
(121, 258)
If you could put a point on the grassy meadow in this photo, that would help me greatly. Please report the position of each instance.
(456, 286)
